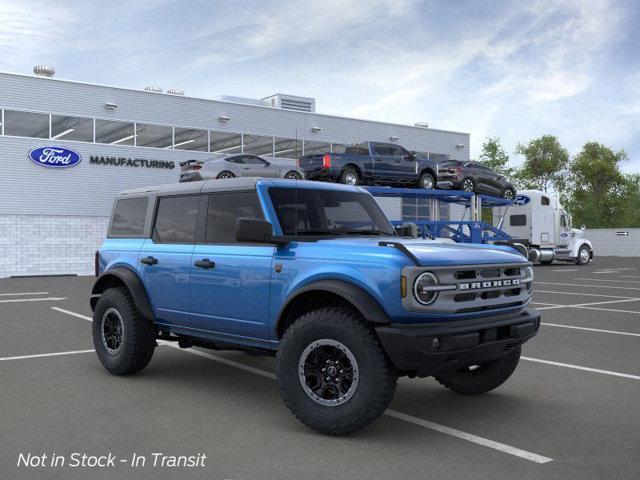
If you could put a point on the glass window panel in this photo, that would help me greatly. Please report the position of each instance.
(287, 148)
(72, 128)
(312, 147)
(224, 210)
(338, 147)
(258, 145)
(26, 124)
(129, 216)
(115, 133)
(157, 136)
(224, 142)
(176, 219)
(190, 139)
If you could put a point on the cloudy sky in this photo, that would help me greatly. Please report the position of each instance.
(515, 70)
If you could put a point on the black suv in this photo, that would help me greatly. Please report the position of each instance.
(474, 177)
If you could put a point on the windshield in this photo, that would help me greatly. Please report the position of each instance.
(311, 212)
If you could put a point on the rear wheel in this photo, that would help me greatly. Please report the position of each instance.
(508, 194)
(427, 181)
(349, 177)
(123, 340)
(293, 175)
(332, 372)
(483, 378)
(468, 185)
(225, 174)
(584, 255)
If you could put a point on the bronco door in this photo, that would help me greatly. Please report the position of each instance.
(165, 258)
(230, 281)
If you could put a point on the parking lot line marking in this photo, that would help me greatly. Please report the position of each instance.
(584, 294)
(48, 299)
(548, 304)
(40, 355)
(579, 367)
(588, 305)
(552, 307)
(534, 457)
(566, 270)
(392, 413)
(605, 280)
(591, 286)
(599, 330)
(628, 276)
(610, 310)
(22, 293)
(73, 314)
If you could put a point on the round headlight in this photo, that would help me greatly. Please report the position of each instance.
(423, 288)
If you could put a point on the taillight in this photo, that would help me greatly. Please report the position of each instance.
(326, 161)
(96, 263)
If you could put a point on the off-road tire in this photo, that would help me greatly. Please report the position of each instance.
(423, 179)
(484, 379)
(578, 259)
(377, 376)
(347, 171)
(138, 339)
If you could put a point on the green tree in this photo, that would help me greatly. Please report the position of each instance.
(545, 164)
(495, 157)
(599, 192)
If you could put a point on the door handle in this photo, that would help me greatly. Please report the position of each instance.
(149, 260)
(205, 263)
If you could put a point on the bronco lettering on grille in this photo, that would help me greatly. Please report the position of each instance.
(491, 284)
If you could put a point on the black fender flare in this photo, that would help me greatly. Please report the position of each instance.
(367, 306)
(133, 284)
(428, 169)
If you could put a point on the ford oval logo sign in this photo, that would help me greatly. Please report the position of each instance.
(56, 157)
(521, 200)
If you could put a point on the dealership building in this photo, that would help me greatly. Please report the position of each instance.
(52, 220)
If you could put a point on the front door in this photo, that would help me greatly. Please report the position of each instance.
(254, 166)
(165, 259)
(230, 282)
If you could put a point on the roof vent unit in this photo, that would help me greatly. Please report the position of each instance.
(292, 102)
(44, 71)
(244, 100)
(422, 124)
(153, 88)
(175, 91)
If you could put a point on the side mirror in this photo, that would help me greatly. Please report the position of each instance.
(583, 227)
(253, 230)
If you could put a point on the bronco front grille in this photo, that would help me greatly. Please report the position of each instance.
(472, 288)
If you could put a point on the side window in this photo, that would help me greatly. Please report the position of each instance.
(517, 220)
(129, 216)
(176, 219)
(395, 151)
(544, 200)
(235, 159)
(253, 160)
(563, 221)
(224, 210)
(381, 149)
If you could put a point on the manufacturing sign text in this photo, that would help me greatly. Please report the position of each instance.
(55, 157)
(131, 162)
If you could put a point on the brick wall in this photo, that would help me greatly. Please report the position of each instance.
(49, 245)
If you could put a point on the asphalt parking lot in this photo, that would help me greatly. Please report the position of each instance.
(569, 411)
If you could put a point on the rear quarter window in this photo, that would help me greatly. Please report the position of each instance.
(129, 217)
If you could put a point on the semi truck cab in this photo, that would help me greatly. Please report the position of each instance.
(538, 221)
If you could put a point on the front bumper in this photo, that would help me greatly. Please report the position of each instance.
(427, 349)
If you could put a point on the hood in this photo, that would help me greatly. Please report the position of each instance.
(436, 253)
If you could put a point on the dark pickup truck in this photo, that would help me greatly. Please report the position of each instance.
(372, 163)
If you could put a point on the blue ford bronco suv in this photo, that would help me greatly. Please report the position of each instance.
(315, 275)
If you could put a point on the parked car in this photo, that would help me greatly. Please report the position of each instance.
(372, 163)
(230, 166)
(314, 274)
(474, 177)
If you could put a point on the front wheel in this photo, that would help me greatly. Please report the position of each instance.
(293, 175)
(124, 341)
(477, 379)
(468, 185)
(332, 372)
(584, 255)
(427, 181)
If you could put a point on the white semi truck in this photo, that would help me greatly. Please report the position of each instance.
(538, 221)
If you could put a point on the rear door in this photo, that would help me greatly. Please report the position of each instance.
(230, 281)
(165, 258)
